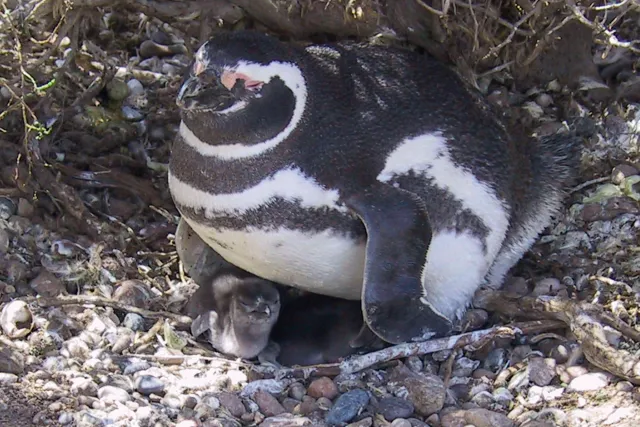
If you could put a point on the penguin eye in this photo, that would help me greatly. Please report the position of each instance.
(229, 79)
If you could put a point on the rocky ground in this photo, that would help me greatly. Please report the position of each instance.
(100, 345)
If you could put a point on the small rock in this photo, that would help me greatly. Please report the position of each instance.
(569, 373)
(550, 393)
(131, 114)
(133, 321)
(307, 406)
(84, 387)
(133, 292)
(485, 418)
(426, 392)
(502, 396)
(16, 319)
(65, 418)
(347, 406)
(324, 403)
(285, 420)
(483, 373)
(7, 208)
(323, 387)
(297, 391)
(622, 171)
(588, 382)
(519, 381)
(47, 285)
(172, 401)
(484, 399)
(268, 404)
(365, 422)
(464, 367)
(624, 386)
(288, 404)
(544, 100)
(496, 359)
(400, 423)
(168, 356)
(414, 363)
(76, 348)
(548, 286)
(394, 407)
(441, 356)
(147, 384)
(117, 90)
(7, 378)
(474, 318)
(110, 394)
(135, 87)
(542, 371)
(232, 403)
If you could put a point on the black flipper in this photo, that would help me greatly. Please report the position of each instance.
(398, 239)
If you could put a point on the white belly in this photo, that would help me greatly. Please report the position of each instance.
(325, 263)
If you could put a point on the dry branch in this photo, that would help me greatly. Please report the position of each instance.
(181, 322)
(586, 321)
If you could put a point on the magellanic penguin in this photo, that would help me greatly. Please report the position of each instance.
(360, 172)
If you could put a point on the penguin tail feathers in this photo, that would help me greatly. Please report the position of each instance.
(558, 159)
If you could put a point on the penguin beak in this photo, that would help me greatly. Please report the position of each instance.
(204, 92)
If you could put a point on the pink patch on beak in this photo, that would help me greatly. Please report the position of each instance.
(198, 67)
(229, 79)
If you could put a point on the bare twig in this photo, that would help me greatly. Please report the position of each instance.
(586, 321)
(181, 322)
(589, 184)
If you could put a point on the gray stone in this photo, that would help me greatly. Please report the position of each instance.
(542, 371)
(394, 407)
(589, 382)
(347, 406)
(148, 384)
(111, 394)
(426, 392)
(133, 321)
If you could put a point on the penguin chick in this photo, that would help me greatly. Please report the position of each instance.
(238, 312)
(315, 329)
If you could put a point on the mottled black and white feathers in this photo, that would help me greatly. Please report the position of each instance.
(361, 172)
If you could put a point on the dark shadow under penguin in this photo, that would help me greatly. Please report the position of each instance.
(359, 172)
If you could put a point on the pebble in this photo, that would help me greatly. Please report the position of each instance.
(347, 406)
(111, 394)
(148, 384)
(16, 319)
(65, 418)
(519, 381)
(7, 378)
(172, 401)
(135, 87)
(495, 360)
(485, 418)
(133, 292)
(7, 208)
(75, 348)
(133, 321)
(484, 399)
(414, 363)
(324, 403)
(117, 90)
(542, 371)
(284, 420)
(544, 100)
(502, 396)
(622, 171)
(84, 387)
(268, 404)
(589, 382)
(426, 392)
(131, 114)
(624, 386)
(548, 286)
(400, 423)
(464, 367)
(297, 391)
(233, 404)
(136, 365)
(394, 407)
(323, 387)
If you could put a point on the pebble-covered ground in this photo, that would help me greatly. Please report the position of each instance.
(92, 365)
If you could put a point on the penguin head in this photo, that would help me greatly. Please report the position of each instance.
(244, 74)
(256, 303)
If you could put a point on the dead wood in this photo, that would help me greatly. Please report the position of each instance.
(586, 321)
